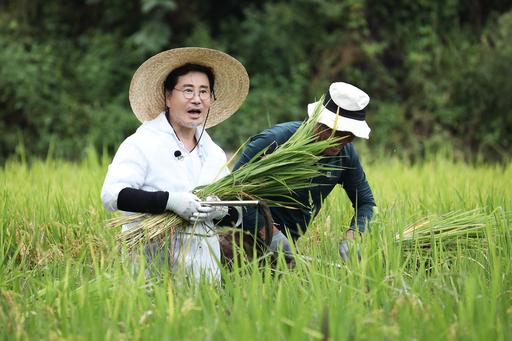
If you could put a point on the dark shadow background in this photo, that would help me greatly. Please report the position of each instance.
(438, 72)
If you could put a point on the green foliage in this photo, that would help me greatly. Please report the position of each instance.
(68, 94)
(481, 93)
(153, 35)
(436, 71)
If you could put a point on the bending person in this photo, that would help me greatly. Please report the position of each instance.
(342, 114)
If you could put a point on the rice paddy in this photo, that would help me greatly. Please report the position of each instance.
(61, 274)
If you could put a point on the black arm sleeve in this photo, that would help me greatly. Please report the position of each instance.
(137, 200)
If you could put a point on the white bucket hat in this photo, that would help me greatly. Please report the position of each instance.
(231, 82)
(343, 109)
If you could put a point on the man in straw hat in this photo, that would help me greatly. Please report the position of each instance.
(177, 94)
(342, 114)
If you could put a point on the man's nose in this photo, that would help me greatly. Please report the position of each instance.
(195, 97)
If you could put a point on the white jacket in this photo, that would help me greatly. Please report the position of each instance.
(146, 160)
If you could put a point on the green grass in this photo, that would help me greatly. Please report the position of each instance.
(61, 276)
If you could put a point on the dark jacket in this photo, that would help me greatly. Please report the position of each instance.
(348, 173)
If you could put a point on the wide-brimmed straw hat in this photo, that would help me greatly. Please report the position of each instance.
(231, 82)
(343, 109)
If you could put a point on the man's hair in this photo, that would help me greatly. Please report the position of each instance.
(172, 77)
(323, 131)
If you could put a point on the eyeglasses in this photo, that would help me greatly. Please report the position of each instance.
(204, 94)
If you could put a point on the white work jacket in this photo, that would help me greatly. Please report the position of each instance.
(154, 159)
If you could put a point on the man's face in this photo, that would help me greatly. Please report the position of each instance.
(189, 112)
(324, 132)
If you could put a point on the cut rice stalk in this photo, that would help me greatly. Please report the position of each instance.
(271, 177)
(451, 230)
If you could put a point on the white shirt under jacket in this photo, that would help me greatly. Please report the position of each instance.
(146, 160)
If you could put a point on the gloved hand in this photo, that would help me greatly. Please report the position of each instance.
(279, 240)
(345, 247)
(183, 204)
(210, 212)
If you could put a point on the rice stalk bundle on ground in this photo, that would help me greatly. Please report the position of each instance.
(270, 177)
(450, 231)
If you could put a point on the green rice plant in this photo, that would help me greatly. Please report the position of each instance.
(269, 177)
(63, 278)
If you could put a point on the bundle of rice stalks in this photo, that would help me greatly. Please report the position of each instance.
(450, 231)
(270, 177)
(146, 227)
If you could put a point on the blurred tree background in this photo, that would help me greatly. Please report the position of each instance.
(438, 71)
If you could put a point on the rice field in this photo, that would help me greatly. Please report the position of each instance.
(61, 275)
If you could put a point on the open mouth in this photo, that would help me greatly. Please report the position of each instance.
(194, 112)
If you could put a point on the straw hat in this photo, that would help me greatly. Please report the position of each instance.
(343, 109)
(231, 82)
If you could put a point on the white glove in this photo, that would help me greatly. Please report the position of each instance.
(210, 212)
(183, 204)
